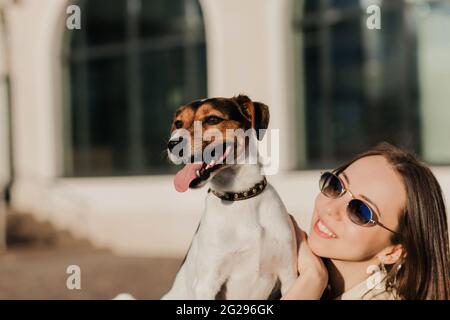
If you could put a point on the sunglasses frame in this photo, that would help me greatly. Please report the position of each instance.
(374, 220)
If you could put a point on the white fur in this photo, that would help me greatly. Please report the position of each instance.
(246, 244)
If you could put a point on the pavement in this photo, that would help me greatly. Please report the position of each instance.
(35, 263)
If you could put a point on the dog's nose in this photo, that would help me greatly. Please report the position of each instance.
(173, 143)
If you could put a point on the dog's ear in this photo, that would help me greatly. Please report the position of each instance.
(262, 117)
(256, 113)
(246, 108)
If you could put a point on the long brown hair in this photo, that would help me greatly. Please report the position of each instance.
(423, 230)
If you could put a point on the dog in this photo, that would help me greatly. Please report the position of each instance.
(245, 245)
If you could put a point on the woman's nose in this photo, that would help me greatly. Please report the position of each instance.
(336, 208)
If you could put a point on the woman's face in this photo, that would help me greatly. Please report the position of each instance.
(370, 178)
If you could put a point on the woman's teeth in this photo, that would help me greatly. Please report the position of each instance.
(325, 230)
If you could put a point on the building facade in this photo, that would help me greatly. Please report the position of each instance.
(91, 108)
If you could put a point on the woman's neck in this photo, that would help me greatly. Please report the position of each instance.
(344, 275)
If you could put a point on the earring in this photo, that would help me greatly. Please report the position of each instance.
(382, 267)
(392, 284)
(396, 271)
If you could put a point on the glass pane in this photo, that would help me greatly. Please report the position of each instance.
(98, 115)
(359, 86)
(104, 21)
(123, 88)
(162, 17)
(342, 4)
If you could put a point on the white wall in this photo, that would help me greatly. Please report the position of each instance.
(35, 33)
(4, 115)
(4, 136)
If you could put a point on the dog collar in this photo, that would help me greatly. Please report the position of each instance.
(247, 194)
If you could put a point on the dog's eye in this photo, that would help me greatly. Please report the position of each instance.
(178, 124)
(213, 120)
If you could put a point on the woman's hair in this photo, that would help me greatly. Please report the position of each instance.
(422, 229)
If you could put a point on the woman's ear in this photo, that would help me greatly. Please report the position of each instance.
(391, 254)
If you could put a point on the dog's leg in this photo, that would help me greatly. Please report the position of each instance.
(288, 272)
(207, 288)
(208, 284)
(287, 275)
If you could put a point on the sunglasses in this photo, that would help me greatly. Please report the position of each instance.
(358, 211)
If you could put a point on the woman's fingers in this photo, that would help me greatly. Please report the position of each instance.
(308, 263)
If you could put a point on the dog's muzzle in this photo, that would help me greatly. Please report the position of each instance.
(177, 141)
(202, 166)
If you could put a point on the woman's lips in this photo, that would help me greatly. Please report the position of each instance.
(322, 230)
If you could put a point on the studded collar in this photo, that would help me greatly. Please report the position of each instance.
(243, 195)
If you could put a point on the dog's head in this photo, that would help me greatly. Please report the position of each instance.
(200, 136)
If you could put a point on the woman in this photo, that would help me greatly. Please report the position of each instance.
(382, 213)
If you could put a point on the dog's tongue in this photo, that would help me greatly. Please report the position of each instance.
(184, 177)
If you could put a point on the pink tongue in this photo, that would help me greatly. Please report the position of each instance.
(184, 177)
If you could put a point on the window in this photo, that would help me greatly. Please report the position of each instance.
(129, 67)
(357, 87)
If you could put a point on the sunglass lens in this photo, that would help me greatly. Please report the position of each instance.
(330, 185)
(359, 212)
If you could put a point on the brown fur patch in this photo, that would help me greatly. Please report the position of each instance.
(187, 115)
(206, 110)
(184, 114)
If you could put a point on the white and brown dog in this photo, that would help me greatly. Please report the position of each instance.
(245, 246)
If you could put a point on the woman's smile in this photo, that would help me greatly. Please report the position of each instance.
(323, 230)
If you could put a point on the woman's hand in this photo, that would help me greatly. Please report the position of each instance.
(308, 263)
(313, 277)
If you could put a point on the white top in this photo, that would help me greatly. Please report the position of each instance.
(373, 288)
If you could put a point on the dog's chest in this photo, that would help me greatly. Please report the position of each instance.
(233, 227)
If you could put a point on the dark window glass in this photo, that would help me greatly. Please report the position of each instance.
(129, 67)
(362, 86)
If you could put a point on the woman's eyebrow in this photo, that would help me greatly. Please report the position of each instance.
(362, 196)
